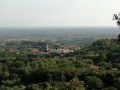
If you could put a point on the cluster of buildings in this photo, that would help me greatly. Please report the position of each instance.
(63, 50)
(52, 51)
(14, 51)
(40, 52)
(46, 50)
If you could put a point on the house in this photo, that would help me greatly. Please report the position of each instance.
(75, 83)
(43, 52)
(35, 51)
(11, 50)
(64, 50)
(67, 83)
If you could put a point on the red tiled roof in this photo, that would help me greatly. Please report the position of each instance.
(94, 67)
(67, 83)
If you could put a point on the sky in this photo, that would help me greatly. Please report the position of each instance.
(58, 13)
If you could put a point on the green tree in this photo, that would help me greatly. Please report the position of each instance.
(5, 74)
(94, 82)
(117, 83)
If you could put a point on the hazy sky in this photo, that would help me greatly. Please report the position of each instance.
(45, 13)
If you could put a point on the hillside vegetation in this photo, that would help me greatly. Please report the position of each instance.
(95, 67)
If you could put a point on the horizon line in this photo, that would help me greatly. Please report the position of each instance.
(55, 26)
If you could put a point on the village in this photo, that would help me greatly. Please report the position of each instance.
(41, 49)
(48, 51)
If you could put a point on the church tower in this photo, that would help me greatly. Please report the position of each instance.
(47, 48)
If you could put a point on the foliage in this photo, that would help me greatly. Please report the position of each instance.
(69, 72)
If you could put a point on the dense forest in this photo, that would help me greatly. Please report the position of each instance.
(95, 67)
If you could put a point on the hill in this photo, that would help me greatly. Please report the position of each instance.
(93, 67)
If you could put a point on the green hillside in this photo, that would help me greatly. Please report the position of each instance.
(95, 67)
